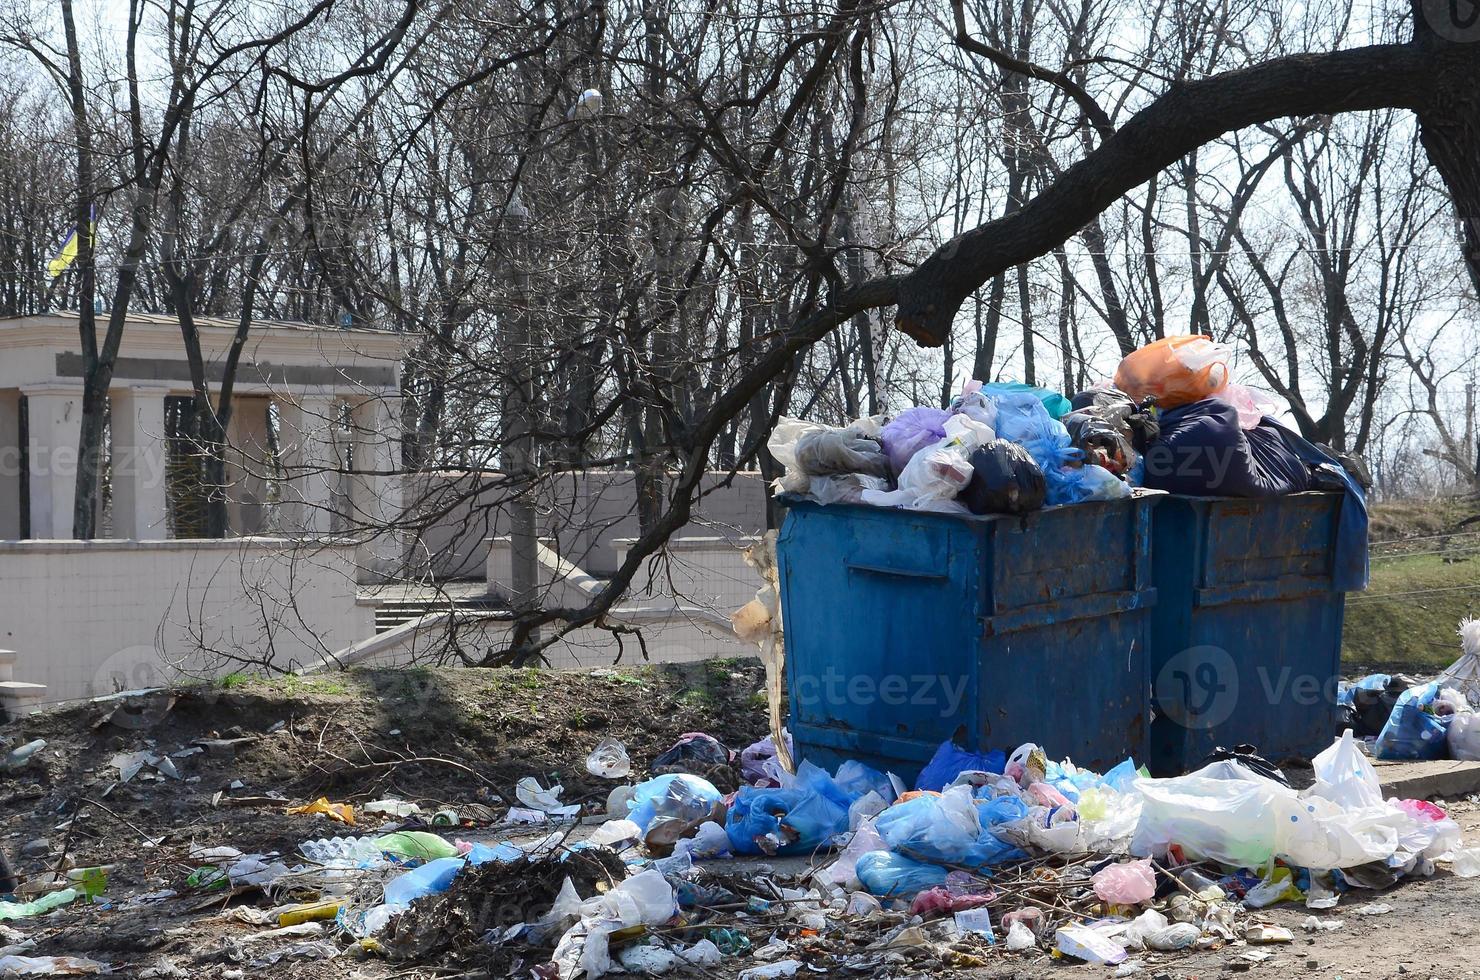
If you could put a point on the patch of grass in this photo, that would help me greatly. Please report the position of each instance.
(1407, 618)
(1398, 519)
(289, 685)
(235, 680)
(698, 697)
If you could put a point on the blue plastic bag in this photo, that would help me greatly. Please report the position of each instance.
(429, 879)
(999, 810)
(950, 761)
(677, 794)
(990, 850)
(889, 875)
(1121, 776)
(1054, 403)
(1021, 418)
(857, 780)
(1413, 732)
(1070, 484)
(931, 828)
(795, 819)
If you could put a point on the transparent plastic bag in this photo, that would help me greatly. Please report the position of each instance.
(1464, 674)
(678, 796)
(933, 477)
(976, 404)
(1230, 821)
(1463, 736)
(1250, 403)
(1174, 371)
(833, 452)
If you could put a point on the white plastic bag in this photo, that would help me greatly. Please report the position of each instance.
(1230, 821)
(1345, 776)
(1464, 674)
(935, 474)
(1464, 737)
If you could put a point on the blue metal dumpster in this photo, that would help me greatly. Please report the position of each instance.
(1246, 634)
(905, 628)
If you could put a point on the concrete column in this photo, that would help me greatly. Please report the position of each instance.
(375, 488)
(248, 460)
(311, 459)
(54, 423)
(140, 497)
(10, 465)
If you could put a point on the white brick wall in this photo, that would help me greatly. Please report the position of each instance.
(87, 618)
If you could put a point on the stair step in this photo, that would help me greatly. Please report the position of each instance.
(20, 698)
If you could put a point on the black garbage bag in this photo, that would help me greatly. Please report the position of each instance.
(1371, 709)
(1004, 480)
(1248, 756)
(1102, 441)
(1137, 423)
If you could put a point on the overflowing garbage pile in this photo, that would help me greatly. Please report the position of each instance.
(988, 855)
(1173, 420)
(1404, 718)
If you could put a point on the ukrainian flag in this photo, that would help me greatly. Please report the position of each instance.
(68, 252)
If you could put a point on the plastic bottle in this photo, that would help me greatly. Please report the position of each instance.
(325, 850)
(1204, 887)
(314, 912)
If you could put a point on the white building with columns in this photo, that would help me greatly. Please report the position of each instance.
(315, 414)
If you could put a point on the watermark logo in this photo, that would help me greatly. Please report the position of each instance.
(1453, 20)
(1198, 688)
(1206, 465)
(135, 668)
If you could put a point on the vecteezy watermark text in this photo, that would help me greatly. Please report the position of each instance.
(834, 687)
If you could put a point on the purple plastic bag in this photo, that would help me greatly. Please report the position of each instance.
(911, 431)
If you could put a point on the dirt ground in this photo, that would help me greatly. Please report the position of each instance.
(462, 738)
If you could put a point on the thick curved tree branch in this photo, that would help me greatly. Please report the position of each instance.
(1188, 116)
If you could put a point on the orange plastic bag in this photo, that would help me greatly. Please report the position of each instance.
(1174, 371)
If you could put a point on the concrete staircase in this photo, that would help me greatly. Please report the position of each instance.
(17, 698)
(392, 613)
